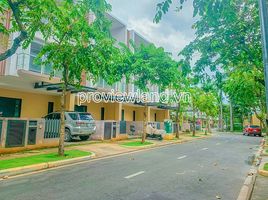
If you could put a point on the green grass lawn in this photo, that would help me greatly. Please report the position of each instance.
(42, 158)
(136, 144)
(266, 167)
(266, 151)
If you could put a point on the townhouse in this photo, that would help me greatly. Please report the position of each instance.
(27, 91)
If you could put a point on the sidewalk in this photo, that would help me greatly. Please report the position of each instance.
(103, 149)
(260, 191)
(49, 158)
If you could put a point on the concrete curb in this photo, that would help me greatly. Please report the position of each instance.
(247, 188)
(4, 174)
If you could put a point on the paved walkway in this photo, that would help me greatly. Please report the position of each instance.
(260, 191)
(100, 148)
(261, 188)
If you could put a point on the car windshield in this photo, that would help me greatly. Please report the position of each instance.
(254, 127)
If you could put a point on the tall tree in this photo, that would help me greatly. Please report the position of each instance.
(80, 45)
(149, 66)
(228, 40)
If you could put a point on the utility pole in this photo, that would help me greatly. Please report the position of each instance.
(264, 27)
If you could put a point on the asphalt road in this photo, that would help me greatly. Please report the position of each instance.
(198, 170)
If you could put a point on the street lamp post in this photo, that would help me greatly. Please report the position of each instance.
(264, 27)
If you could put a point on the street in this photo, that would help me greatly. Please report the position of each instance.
(204, 169)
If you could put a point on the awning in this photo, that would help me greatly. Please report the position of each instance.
(58, 87)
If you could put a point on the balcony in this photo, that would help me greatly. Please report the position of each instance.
(27, 62)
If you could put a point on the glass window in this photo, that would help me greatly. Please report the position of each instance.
(74, 116)
(34, 51)
(10, 107)
(85, 116)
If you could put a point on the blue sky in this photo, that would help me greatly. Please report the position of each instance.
(174, 31)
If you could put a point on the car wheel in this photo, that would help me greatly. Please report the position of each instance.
(67, 136)
(254, 135)
(83, 138)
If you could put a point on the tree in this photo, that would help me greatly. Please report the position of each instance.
(181, 85)
(150, 65)
(228, 40)
(208, 104)
(79, 45)
(27, 18)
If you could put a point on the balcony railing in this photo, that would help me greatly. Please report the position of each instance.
(27, 62)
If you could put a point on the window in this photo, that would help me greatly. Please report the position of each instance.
(50, 107)
(134, 116)
(34, 51)
(155, 117)
(10, 107)
(102, 113)
(123, 115)
(85, 116)
(74, 116)
(80, 108)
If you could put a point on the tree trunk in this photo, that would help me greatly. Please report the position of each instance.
(178, 122)
(145, 123)
(231, 118)
(193, 122)
(62, 121)
(65, 75)
(209, 127)
(206, 129)
(221, 114)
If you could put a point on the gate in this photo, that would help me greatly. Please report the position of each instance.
(123, 127)
(52, 128)
(107, 130)
(1, 125)
(15, 135)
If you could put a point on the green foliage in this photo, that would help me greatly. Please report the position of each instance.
(228, 42)
(79, 46)
(150, 65)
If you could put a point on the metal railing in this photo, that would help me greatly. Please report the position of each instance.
(1, 125)
(52, 128)
(27, 62)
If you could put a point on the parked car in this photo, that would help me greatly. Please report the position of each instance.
(79, 124)
(252, 130)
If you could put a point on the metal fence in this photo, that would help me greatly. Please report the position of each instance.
(52, 128)
(123, 127)
(15, 135)
(1, 125)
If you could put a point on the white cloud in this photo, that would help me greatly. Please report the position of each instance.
(173, 32)
(171, 39)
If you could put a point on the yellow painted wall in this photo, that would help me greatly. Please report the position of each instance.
(161, 115)
(255, 120)
(33, 105)
(112, 111)
(129, 112)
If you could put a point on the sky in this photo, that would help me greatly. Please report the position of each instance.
(174, 31)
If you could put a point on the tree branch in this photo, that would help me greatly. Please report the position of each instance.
(23, 33)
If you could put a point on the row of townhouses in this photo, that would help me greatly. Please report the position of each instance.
(26, 92)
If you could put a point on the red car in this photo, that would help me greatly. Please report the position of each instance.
(252, 130)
